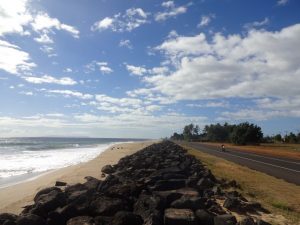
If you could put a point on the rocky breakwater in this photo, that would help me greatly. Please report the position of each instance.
(159, 185)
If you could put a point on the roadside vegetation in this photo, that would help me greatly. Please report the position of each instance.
(277, 196)
(238, 134)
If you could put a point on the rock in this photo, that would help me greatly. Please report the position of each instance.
(30, 219)
(50, 201)
(60, 183)
(104, 206)
(149, 208)
(8, 222)
(91, 183)
(108, 169)
(179, 217)
(247, 221)
(204, 217)
(81, 220)
(164, 185)
(261, 222)
(204, 183)
(187, 202)
(45, 191)
(102, 220)
(7, 217)
(126, 218)
(225, 219)
(232, 203)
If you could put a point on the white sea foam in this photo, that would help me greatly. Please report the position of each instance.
(26, 161)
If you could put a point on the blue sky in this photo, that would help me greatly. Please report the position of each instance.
(146, 68)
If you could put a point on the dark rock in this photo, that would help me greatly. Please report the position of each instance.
(7, 217)
(104, 206)
(81, 220)
(204, 217)
(261, 222)
(60, 183)
(76, 187)
(179, 217)
(45, 191)
(102, 220)
(91, 183)
(126, 218)
(164, 185)
(204, 183)
(50, 201)
(8, 222)
(225, 219)
(108, 169)
(247, 221)
(232, 203)
(30, 219)
(187, 202)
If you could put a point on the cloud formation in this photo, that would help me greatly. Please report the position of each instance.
(50, 80)
(170, 11)
(130, 20)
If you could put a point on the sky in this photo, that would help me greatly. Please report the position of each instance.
(144, 69)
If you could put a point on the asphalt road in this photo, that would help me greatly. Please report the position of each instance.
(286, 169)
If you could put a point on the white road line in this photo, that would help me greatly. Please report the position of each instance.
(264, 157)
(281, 167)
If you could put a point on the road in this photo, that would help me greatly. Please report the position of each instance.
(286, 169)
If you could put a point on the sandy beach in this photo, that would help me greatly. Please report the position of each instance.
(13, 198)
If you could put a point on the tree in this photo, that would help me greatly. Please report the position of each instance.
(278, 138)
(177, 136)
(190, 132)
(245, 133)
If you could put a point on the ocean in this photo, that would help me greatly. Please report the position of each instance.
(24, 158)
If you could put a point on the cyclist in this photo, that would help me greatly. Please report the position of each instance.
(223, 148)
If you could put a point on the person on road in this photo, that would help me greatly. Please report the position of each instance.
(223, 148)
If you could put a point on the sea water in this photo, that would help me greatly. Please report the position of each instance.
(23, 158)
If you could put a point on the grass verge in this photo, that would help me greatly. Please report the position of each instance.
(277, 196)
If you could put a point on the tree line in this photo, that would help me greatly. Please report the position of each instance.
(241, 134)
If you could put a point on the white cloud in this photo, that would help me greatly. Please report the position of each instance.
(70, 93)
(168, 4)
(130, 20)
(14, 16)
(101, 66)
(261, 63)
(254, 24)
(136, 70)
(205, 20)
(170, 11)
(282, 2)
(28, 93)
(68, 70)
(50, 80)
(13, 59)
(104, 24)
(44, 38)
(105, 69)
(210, 104)
(125, 43)
(43, 23)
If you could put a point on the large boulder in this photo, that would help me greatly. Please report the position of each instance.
(108, 169)
(126, 218)
(105, 206)
(50, 201)
(225, 219)
(45, 191)
(187, 202)
(7, 217)
(203, 217)
(179, 217)
(30, 219)
(81, 220)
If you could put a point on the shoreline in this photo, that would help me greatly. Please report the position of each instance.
(19, 179)
(14, 197)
